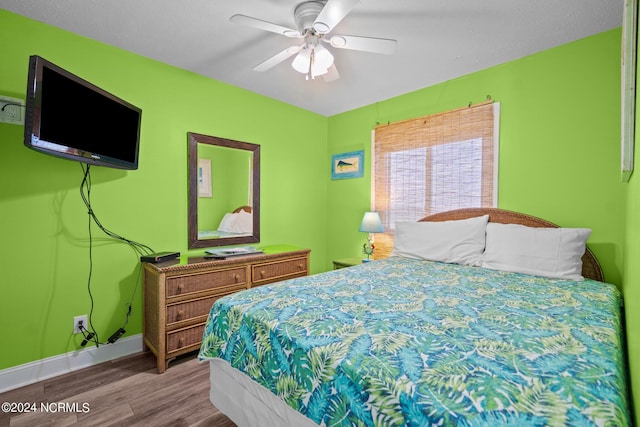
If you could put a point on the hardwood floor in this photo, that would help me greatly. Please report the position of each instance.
(124, 392)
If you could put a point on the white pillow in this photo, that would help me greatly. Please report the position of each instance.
(227, 223)
(243, 222)
(550, 252)
(458, 241)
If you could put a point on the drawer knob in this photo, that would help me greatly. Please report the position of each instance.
(180, 341)
(180, 313)
(237, 277)
(181, 286)
(263, 273)
(300, 266)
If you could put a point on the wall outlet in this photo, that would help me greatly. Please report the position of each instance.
(80, 320)
(11, 110)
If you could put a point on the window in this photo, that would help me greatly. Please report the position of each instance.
(433, 164)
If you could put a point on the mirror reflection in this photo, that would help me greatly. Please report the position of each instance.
(224, 188)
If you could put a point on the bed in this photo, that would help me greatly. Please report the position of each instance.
(413, 341)
(233, 224)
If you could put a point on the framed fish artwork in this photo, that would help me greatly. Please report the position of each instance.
(347, 165)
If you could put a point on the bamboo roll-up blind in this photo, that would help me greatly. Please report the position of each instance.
(432, 164)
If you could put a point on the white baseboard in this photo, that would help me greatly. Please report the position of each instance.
(32, 372)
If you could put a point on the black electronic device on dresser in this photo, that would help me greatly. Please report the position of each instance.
(160, 257)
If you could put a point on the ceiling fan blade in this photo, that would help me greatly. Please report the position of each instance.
(331, 75)
(332, 13)
(277, 58)
(264, 25)
(366, 44)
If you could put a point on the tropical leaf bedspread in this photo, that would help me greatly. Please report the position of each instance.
(403, 342)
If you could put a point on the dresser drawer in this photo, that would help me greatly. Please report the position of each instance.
(278, 270)
(191, 310)
(184, 338)
(183, 285)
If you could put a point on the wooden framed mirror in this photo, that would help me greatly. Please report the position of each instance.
(224, 191)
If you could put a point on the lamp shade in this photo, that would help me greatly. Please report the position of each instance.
(322, 60)
(371, 223)
(302, 61)
(313, 59)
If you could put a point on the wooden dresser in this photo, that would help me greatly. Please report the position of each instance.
(178, 295)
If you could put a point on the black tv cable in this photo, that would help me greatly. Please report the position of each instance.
(90, 334)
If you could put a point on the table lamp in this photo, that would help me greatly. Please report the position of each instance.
(370, 224)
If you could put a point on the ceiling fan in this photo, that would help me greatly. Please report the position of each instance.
(315, 20)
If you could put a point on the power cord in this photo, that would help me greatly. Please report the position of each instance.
(90, 335)
(8, 104)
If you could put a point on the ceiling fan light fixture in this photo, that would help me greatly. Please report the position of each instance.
(302, 61)
(313, 61)
(315, 19)
(322, 58)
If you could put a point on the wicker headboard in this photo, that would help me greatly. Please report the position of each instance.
(247, 209)
(590, 265)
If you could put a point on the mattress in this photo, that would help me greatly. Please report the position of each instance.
(410, 342)
(248, 403)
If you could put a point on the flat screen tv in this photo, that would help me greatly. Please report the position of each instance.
(69, 117)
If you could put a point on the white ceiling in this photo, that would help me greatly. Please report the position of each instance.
(437, 39)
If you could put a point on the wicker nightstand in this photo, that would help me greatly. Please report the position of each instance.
(346, 262)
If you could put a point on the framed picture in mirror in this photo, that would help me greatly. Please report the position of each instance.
(204, 178)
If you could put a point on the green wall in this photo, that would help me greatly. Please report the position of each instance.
(44, 251)
(559, 154)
